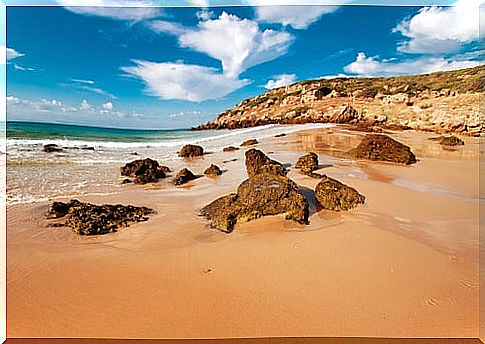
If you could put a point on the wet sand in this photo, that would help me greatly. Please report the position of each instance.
(405, 264)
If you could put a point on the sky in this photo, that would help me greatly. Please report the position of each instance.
(176, 67)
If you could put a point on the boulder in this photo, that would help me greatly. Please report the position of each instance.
(347, 115)
(380, 147)
(261, 195)
(52, 148)
(189, 151)
(334, 195)
(448, 140)
(250, 142)
(184, 176)
(213, 171)
(257, 162)
(230, 149)
(144, 171)
(307, 163)
(91, 219)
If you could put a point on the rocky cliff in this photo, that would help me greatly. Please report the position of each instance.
(440, 102)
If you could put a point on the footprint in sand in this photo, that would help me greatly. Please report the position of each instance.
(432, 302)
(467, 284)
(207, 271)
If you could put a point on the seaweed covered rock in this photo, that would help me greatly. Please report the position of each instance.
(261, 195)
(52, 148)
(334, 195)
(250, 142)
(449, 140)
(184, 176)
(257, 162)
(144, 171)
(230, 149)
(382, 148)
(307, 163)
(190, 151)
(213, 171)
(91, 219)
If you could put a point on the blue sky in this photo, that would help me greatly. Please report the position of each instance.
(176, 67)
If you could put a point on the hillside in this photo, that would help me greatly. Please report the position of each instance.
(441, 102)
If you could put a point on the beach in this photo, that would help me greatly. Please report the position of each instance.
(404, 264)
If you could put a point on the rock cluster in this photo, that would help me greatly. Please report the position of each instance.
(91, 219)
(144, 171)
(379, 147)
(267, 191)
(334, 195)
(213, 171)
(307, 163)
(190, 151)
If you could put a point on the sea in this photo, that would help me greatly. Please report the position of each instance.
(36, 176)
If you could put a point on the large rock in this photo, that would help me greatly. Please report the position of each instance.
(307, 163)
(184, 176)
(213, 171)
(382, 148)
(261, 195)
(257, 162)
(334, 195)
(91, 219)
(144, 171)
(347, 115)
(190, 151)
(448, 140)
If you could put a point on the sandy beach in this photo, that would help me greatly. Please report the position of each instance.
(404, 264)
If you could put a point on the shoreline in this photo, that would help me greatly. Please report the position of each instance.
(394, 267)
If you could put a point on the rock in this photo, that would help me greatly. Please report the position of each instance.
(448, 140)
(257, 162)
(165, 169)
(322, 92)
(230, 149)
(88, 148)
(347, 115)
(250, 142)
(91, 219)
(280, 135)
(213, 171)
(334, 195)
(189, 151)
(144, 171)
(307, 163)
(127, 181)
(52, 148)
(261, 195)
(184, 176)
(380, 147)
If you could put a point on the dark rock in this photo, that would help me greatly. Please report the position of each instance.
(165, 169)
(348, 115)
(280, 135)
(52, 148)
(213, 171)
(448, 140)
(190, 151)
(257, 162)
(334, 195)
(228, 161)
(127, 181)
(184, 176)
(307, 163)
(134, 153)
(144, 171)
(314, 175)
(379, 147)
(88, 148)
(91, 219)
(250, 142)
(261, 195)
(230, 149)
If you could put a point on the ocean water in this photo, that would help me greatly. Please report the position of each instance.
(33, 175)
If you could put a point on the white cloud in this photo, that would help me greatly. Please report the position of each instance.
(89, 82)
(85, 105)
(87, 85)
(19, 67)
(237, 43)
(183, 81)
(280, 80)
(373, 66)
(438, 30)
(205, 14)
(7, 54)
(108, 106)
(298, 17)
(131, 10)
(167, 27)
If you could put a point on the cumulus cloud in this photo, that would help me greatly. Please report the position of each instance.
(184, 81)
(373, 66)
(85, 105)
(280, 80)
(108, 106)
(438, 30)
(130, 10)
(8, 54)
(238, 43)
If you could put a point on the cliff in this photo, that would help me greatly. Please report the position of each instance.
(440, 102)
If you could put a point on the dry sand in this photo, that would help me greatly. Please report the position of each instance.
(405, 264)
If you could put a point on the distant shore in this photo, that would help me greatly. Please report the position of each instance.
(404, 264)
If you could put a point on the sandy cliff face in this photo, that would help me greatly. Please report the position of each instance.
(441, 102)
